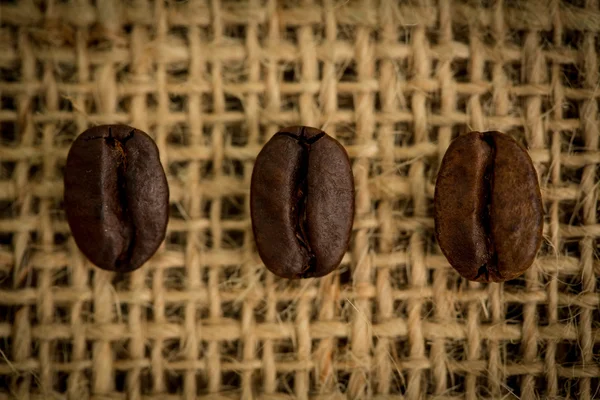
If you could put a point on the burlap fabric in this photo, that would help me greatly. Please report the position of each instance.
(211, 81)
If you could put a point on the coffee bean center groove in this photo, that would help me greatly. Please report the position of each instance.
(301, 193)
(129, 229)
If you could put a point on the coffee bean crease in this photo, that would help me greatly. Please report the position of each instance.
(488, 211)
(116, 196)
(293, 202)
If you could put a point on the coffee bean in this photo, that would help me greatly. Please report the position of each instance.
(302, 203)
(116, 196)
(488, 207)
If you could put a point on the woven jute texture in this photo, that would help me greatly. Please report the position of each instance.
(211, 81)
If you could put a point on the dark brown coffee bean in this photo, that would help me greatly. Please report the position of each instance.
(488, 207)
(116, 196)
(302, 203)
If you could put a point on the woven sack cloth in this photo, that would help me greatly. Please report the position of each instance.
(211, 81)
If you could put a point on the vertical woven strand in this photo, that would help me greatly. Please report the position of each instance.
(476, 122)
(534, 72)
(329, 286)
(21, 386)
(273, 105)
(306, 108)
(501, 108)
(213, 355)
(553, 207)
(103, 291)
(192, 200)
(22, 271)
(46, 304)
(442, 298)
(103, 357)
(476, 65)
(159, 129)
(140, 72)
(249, 271)
(361, 336)
(308, 116)
(418, 274)
(388, 93)
(25, 127)
(77, 385)
(589, 197)
(21, 328)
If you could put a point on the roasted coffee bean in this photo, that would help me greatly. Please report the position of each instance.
(116, 196)
(302, 203)
(488, 207)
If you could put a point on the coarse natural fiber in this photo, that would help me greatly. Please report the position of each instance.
(211, 81)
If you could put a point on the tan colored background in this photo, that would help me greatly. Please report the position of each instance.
(211, 81)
